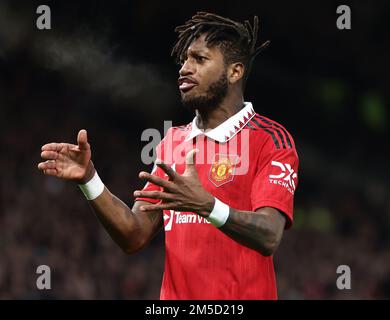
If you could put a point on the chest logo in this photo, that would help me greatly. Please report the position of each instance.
(222, 169)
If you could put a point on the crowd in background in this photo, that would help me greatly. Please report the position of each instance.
(46, 221)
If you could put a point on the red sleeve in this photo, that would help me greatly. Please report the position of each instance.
(157, 172)
(276, 180)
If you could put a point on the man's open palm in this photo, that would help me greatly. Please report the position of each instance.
(65, 160)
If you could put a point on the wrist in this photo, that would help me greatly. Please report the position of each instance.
(219, 214)
(210, 203)
(89, 174)
(93, 188)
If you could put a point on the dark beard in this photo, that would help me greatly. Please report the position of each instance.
(213, 98)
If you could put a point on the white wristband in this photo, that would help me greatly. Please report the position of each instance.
(93, 188)
(219, 215)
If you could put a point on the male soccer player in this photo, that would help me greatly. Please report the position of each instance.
(225, 207)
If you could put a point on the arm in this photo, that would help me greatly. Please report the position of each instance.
(131, 229)
(260, 230)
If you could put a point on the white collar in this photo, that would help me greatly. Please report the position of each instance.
(227, 129)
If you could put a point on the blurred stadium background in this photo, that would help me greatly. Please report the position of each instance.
(105, 66)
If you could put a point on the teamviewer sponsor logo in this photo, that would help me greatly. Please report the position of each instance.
(285, 178)
(168, 219)
(178, 217)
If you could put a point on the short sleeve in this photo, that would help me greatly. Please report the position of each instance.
(276, 180)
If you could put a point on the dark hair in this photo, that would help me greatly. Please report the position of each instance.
(237, 40)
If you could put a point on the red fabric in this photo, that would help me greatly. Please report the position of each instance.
(201, 262)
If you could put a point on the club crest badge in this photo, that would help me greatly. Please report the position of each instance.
(222, 169)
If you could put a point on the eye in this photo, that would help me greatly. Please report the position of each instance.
(200, 58)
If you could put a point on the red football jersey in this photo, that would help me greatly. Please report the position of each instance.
(247, 162)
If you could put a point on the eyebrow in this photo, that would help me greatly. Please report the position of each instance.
(197, 52)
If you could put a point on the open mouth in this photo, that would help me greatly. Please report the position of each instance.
(186, 84)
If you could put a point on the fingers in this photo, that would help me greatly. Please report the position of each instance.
(161, 206)
(48, 167)
(52, 147)
(190, 157)
(50, 172)
(49, 164)
(156, 180)
(167, 169)
(154, 195)
(49, 155)
(82, 140)
(190, 160)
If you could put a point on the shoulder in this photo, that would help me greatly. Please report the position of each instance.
(271, 132)
(184, 127)
(179, 130)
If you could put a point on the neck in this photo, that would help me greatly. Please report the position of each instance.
(210, 119)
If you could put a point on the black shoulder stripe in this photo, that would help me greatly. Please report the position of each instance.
(278, 126)
(250, 126)
(276, 130)
(268, 131)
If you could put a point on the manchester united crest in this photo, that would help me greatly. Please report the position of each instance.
(222, 169)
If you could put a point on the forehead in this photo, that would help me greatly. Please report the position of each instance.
(199, 45)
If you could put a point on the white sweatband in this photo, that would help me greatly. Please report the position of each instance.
(93, 188)
(219, 215)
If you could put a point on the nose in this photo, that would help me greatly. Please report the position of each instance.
(187, 68)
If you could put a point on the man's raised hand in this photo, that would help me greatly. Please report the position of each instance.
(68, 161)
(181, 192)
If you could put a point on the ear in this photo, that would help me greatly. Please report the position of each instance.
(235, 72)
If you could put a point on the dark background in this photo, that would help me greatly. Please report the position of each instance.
(106, 66)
